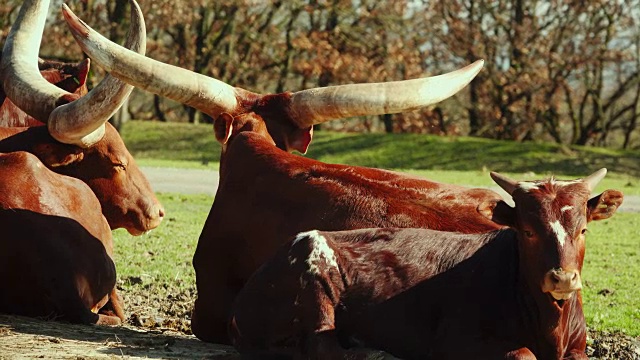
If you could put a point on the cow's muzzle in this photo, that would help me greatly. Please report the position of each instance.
(562, 284)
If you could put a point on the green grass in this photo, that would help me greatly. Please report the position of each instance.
(165, 253)
(611, 294)
(612, 264)
(172, 144)
(459, 160)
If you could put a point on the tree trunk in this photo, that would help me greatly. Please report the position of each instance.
(387, 120)
(156, 108)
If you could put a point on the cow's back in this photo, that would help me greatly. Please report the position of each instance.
(11, 115)
(268, 195)
(366, 285)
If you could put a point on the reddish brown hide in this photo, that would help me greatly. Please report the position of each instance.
(424, 294)
(84, 147)
(107, 167)
(266, 195)
(56, 247)
(67, 76)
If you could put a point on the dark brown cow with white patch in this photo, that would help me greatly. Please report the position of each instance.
(423, 294)
(76, 140)
(66, 76)
(55, 248)
(266, 194)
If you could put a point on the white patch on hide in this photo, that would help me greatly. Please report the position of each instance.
(566, 208)
(558, 229)
(320, 251)
(527, 186)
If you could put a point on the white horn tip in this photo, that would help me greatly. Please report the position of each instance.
(593, 179)
(475, 67)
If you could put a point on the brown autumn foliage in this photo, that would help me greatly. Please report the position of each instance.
(565, 71)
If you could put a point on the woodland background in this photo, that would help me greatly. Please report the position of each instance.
(560, 71)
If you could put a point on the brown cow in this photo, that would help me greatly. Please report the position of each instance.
(423, 294)
(66, 76)
(266, 194)
(76, 140)
(56, 246)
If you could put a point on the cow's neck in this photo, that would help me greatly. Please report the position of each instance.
(22, 138)
(248, 146)
(547, 326)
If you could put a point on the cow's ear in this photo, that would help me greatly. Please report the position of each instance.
(300, 139)
(56, 155)
(604, 205)
(486, 208)
(499, 212)
(83, 71)
(223, 127)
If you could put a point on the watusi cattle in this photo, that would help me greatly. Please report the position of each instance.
(422, 294)
(56, 246)
(67, 76)
(77, 141)
(266, 194)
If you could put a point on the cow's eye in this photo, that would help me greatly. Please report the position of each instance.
(120, 166)
(528, 233)
(584, 231)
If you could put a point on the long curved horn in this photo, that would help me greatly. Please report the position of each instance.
(315, 106)
(306, 107)
(593, 179)
(206, 94)
(67, 123)
(504, 182)
(24, 85)
(21, 79)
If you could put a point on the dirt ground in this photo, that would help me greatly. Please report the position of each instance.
(158, 327)
(25, 338)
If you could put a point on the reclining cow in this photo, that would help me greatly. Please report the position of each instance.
(76, 140)
(56, 246)
(422, 294)
(266, 194)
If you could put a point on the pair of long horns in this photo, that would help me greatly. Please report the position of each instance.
(70, 119)
(305, 108)
(509, 185)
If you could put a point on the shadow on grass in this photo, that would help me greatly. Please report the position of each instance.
(410, 151)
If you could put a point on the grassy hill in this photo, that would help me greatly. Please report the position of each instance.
(462, 160)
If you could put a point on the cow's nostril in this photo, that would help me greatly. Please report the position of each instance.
(161, 212)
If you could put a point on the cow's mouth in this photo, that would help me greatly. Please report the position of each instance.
(559, 299)
(561, 295)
